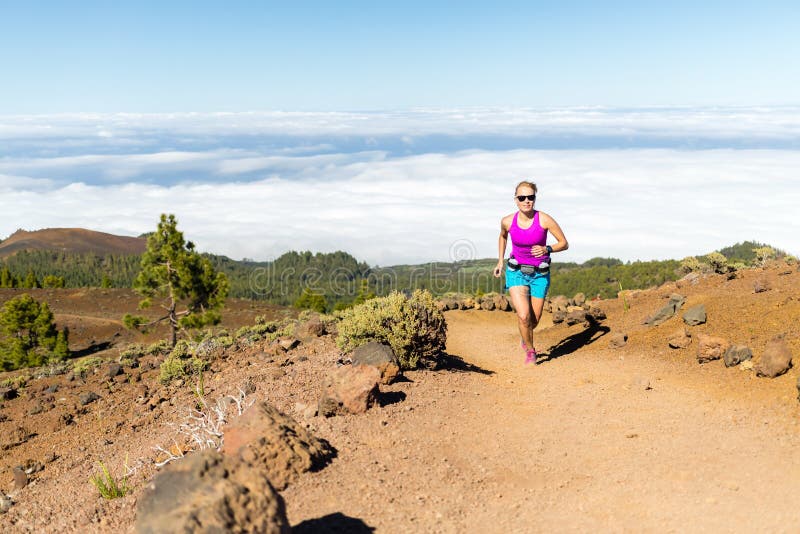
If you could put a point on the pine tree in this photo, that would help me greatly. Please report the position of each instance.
(6, 278)
(188, 287)
(31, 282)
(31, 335)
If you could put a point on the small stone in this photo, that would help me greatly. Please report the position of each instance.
(5, 503)
(710, 348)
(695, 315)
(618, 340)
(288, 343)
(20, 478)
(88, 398)
(736, 354)
(680, 339)
(760, 286)
(114, 369)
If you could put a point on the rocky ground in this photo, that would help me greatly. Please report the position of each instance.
(634, 438)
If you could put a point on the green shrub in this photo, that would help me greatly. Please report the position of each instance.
(107, 484)
(691, 264)
(174, 368)
(83, 366)
(181, 362)
(718, 262)
(16, 382)
(414, 327)
(158, 348)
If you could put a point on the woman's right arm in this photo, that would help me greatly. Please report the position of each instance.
(502, 241)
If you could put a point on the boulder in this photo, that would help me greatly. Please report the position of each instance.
(559, 316)
(760, 286)
(576, 316)
(501, 303)
(695, 315)
(208, 492)
(579, 299)
(667, 311)
(379, 356)
(8, 393)
(559, 303)
(710, 348)
(349, 389)
(691, 278)
(736, 354)
(776, 360)
(467, 304)
(596, 313)
(680, 339)
(312, 328)
(266, 439)
(487, 303)
(618, 340)
(449, 303)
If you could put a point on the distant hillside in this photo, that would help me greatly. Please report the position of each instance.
(84, 258)
(77, 240)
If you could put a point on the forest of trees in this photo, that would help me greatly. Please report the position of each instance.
(335, 280)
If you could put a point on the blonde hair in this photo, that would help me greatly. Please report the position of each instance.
(527, 184)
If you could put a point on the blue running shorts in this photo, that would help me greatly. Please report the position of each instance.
(538, 283)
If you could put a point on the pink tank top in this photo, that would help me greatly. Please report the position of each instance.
(523, 239)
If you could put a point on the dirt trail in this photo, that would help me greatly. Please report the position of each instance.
(576, 443)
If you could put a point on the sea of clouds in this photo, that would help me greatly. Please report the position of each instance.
(411, 186)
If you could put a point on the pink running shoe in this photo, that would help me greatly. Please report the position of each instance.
(530, 356)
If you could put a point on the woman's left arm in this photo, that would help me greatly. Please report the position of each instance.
(550, 224)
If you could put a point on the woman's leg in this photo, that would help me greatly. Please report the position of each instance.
(520, 299)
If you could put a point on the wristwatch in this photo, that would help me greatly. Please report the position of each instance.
(549, 249)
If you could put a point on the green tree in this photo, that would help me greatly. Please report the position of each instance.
(53, 281)
(6, 278)
(189, 289)
(311, 301)
(31, 282)
(31, 337)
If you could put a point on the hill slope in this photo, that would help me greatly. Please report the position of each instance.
(71, 240)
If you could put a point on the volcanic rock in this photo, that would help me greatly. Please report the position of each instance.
(710, 348)
(208, 492)
(776, 360)
(349, 389)
(380, 356)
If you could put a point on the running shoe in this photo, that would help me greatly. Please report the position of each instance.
(530, 356)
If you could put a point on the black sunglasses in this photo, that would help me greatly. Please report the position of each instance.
(522, 198)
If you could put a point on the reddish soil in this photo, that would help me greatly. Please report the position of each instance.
(641, 438)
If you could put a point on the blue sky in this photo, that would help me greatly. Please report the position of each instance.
(396, 131)
(242, 56)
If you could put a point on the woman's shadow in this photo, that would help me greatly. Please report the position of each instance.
(591, 333)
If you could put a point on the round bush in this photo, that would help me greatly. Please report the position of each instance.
(413, 326)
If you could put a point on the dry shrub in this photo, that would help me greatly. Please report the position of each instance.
(413, 326)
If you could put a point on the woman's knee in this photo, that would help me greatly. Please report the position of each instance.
(525, 319)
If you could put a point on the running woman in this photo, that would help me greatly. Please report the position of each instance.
(528, 269)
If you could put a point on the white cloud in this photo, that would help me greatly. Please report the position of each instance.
(631, 204)
(765, 123)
